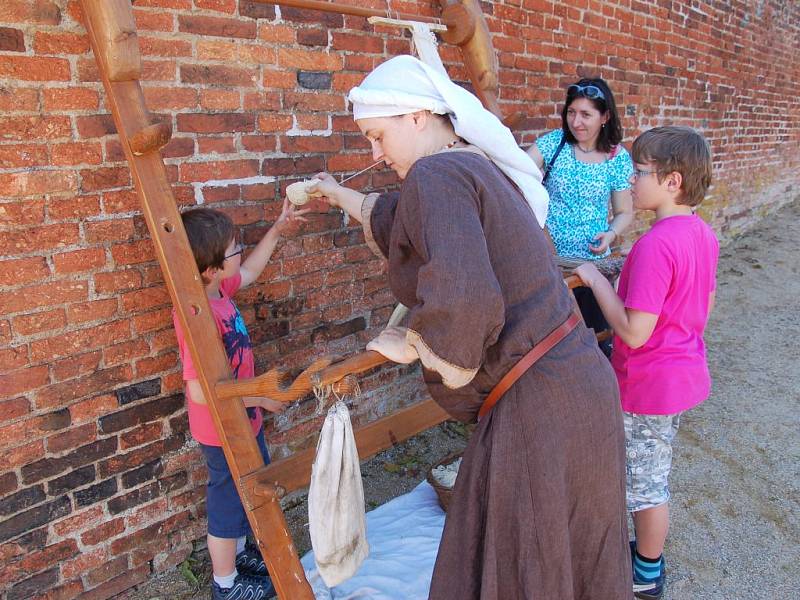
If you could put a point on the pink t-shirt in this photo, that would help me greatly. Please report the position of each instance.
(240, 355)
(670, 272)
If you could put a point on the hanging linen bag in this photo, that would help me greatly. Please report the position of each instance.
(336, 501)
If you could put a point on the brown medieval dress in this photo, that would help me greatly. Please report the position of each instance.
(538, 508)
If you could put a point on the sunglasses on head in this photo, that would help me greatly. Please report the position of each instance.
(587, 91)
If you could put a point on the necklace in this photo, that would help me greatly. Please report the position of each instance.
(450, 145)
(578, 146)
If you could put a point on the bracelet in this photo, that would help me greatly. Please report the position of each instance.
(612, 230)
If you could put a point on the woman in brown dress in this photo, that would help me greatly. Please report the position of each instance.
(538, 506)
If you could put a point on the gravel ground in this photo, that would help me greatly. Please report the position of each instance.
(736, 480)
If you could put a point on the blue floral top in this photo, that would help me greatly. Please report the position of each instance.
(579, 195)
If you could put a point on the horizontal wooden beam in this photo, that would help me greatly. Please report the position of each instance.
(347, 9)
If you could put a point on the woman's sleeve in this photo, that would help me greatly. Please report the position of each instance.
(621, 171)
(547, 145)
(460, 309)
(377, 217)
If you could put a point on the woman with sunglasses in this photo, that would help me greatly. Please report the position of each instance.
(586, 168)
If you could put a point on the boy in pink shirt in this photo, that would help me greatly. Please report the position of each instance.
(665, 295)
(238, 568)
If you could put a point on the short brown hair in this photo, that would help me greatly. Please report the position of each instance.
(210, 232)
(679, 149)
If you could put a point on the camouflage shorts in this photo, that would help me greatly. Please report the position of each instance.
(648, 458)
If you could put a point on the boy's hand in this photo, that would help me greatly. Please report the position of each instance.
(602, 241)
(328, 187)
(273, 406)
(290, 216)
(588, 274)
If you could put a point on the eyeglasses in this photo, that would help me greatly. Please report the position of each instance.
(239, 249)
(640, 173)
(588, 91)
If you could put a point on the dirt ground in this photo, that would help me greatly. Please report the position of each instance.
(736, 475)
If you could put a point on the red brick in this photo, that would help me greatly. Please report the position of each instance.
(11, 40)
(16, 99)
(76, 153)
(48, 294)
(163, 47)
(23, 270)
(61, 394)
(32, 183)
(309, 60)
(113, 283)
(73, 438)
(80, 340)
(73, 366)
(216, 123)
(105, 178)
(41, 12)
(121, 201)
(38, 322)
(143, 434)
(225, 145)
(151, 321)
(132, 253)
(217, 75)
(170, 98)
(229, 169)
(27, 155)
(13, 458)
(22, 212)
(94, 310)
(91, 408)
(222, 100)
(145, 299)
(47, 237)
(104, 531)
(217, 26)
(60, 43)
(96, 126)
(79, 261)
(71, 98)
(223, 6)
(154, 21)
(14, 408)
(156, 364)
(109, 230)
(34, 68)
(84, 561)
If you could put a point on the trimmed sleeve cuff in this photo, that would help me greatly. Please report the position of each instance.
(452, 375)
(366, 221)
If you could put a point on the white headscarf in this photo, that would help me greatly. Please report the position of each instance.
(404, 85)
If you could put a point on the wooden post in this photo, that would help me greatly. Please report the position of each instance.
(112, 34)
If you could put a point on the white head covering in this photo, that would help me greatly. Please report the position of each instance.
(404, 85)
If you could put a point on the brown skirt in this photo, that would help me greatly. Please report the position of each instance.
(538, 511)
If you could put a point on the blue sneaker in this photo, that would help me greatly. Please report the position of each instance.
(650, 588)
(250, 561)
(245, 587)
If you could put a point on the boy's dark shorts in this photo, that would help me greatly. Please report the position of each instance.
(226, 516)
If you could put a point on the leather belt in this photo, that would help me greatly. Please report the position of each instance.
(525, 363)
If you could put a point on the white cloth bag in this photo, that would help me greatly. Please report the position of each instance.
(336, 501)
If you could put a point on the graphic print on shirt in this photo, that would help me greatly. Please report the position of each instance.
(236, 340)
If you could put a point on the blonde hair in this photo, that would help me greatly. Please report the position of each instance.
(677, 149)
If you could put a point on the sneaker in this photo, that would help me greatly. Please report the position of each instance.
(647, 589)
(245, 587)
(250, 561)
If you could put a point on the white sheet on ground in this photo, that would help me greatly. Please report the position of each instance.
(403, 537)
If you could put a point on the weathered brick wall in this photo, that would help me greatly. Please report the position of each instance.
(99, 483)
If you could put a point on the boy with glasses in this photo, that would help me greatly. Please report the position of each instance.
(238, 568)
(666, 293)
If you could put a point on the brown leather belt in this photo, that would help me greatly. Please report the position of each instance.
(525, 363)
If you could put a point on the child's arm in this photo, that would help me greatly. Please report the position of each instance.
(712, 298)
(273, 406)
(259, 257)
(634, 327)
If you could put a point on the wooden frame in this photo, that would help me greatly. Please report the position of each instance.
(113, 38)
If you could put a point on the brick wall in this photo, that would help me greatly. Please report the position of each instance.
(100, 485)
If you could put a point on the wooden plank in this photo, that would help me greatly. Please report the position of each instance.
(294, 472)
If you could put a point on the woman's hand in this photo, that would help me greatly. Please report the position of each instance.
(328, 187)
(588, 273)
(289, 217)
(602, 241)
(392, 344)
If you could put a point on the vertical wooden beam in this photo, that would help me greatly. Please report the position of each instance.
(113, 38)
